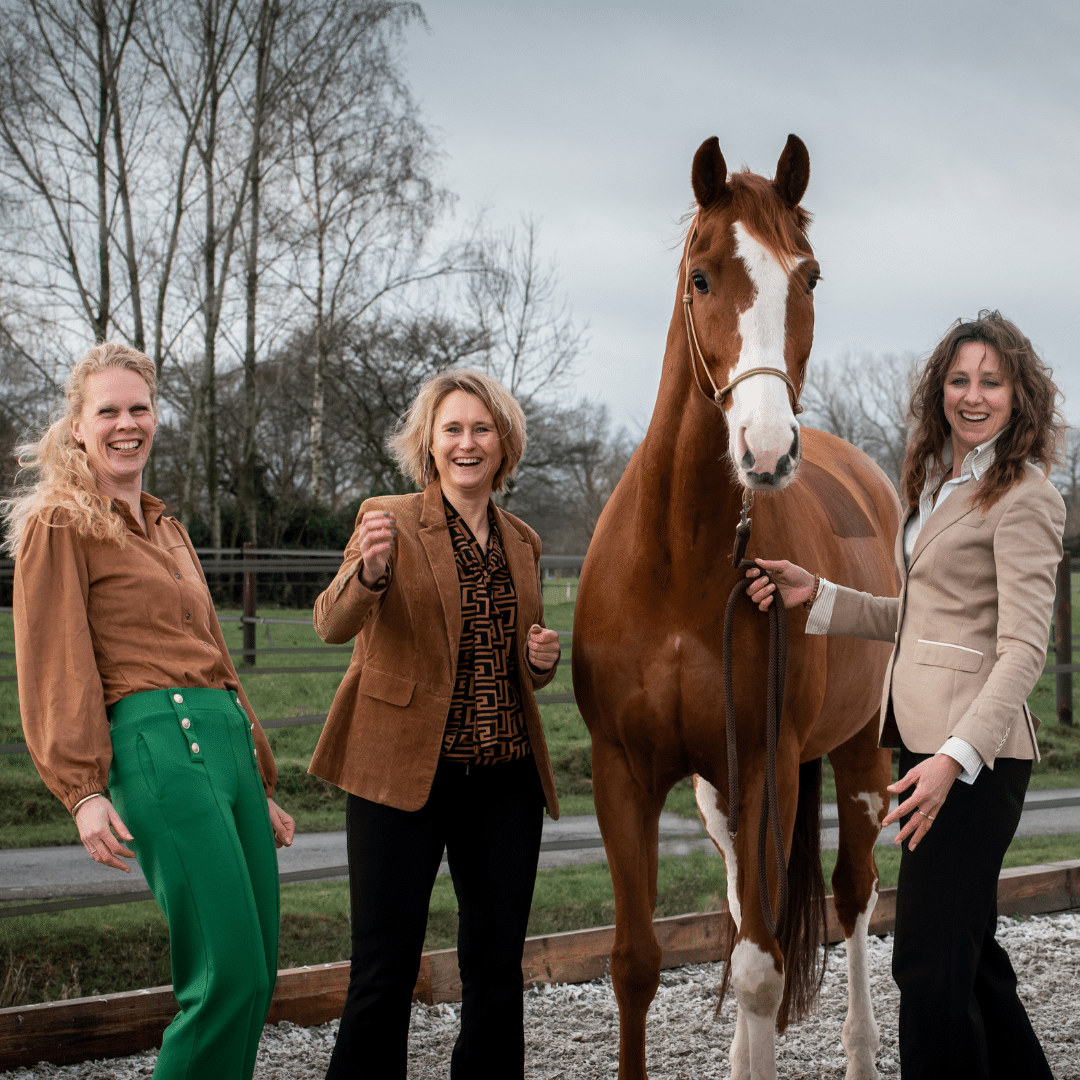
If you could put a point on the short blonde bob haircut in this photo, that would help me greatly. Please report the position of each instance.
(411, 442)
(64, 480)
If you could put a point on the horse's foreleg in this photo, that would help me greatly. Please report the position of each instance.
(862, 777)
(629, 821)
(757, 973)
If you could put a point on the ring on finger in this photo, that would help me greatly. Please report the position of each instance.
(929, 817)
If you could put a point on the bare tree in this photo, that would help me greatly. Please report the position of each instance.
(359, 164)
(864, 399)
(572, 463)
(516, 300)
(65, 141)
(211, 40)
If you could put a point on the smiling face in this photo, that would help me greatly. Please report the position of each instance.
(466, 447)
(116, 428)
(977, 397)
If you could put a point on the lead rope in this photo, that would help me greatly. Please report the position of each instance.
(776, 678)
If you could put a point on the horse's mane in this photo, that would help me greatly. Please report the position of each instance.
(756, 203)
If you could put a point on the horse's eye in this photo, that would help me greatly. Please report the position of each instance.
(700, 283)
(812, 280)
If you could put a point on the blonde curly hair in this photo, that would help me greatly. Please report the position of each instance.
(65, 481)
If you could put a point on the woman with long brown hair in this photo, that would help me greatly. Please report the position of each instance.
(976, 559)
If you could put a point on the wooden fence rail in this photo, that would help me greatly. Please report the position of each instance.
(115, 1025)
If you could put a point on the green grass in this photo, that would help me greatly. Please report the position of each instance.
(31, 817)
(125, 947)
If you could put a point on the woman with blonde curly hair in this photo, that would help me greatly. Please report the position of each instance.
(434, 731)
(126, 685)
(976, 559)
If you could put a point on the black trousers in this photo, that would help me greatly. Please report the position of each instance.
(960, 1016)
(489, 819)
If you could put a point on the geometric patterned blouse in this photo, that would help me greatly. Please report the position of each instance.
(486, 722)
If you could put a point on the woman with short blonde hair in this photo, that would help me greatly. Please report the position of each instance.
(411, 442)
(435, 733)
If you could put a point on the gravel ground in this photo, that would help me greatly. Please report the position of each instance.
(572, 1031)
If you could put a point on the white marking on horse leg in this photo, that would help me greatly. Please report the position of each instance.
(761, 420)
(874, 804)
(758, 989)
(740, 1048)
(860, 1036)
(716, 825)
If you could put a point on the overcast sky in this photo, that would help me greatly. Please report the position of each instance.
(944, 143)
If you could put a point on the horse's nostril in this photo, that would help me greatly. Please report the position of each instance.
(748, 461)
(783, 466)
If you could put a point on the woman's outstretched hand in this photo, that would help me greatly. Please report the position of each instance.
(796, 585)
(97, 820)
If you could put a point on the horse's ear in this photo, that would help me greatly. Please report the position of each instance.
(793, 171)
(709, 175)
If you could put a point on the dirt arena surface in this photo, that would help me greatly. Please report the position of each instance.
(572, 1031)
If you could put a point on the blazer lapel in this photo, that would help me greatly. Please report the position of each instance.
(898, 545)
(435, 536)
(956, 506)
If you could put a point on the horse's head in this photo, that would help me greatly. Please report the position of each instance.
(748, 282)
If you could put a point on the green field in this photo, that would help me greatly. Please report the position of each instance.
(31, 817)
(110, 949)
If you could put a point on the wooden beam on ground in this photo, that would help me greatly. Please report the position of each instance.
(63, 1032)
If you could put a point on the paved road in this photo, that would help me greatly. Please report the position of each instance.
(43, 873)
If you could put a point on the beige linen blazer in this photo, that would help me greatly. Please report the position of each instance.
(383, 737)
(971, 624)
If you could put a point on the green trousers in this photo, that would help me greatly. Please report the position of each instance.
(185, 780)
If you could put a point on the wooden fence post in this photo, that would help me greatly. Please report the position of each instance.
(250, 578)
(1063, 639)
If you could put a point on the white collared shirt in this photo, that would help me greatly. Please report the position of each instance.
(974, 467)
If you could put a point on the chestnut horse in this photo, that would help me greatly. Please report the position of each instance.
(648, 623)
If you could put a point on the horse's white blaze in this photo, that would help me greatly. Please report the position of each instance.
(860, 1036)
(761, 420)
(716, 825)
(758, 989)
(873, 803)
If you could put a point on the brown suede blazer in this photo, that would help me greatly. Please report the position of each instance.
(971, 623)
(384, 733)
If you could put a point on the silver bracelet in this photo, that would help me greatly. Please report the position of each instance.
(96, 795)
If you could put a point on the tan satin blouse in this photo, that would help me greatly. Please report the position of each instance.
(95, 622)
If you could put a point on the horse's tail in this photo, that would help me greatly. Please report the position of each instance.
(804, 927)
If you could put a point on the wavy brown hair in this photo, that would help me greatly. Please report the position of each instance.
(1034, 432)
(64, 479)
